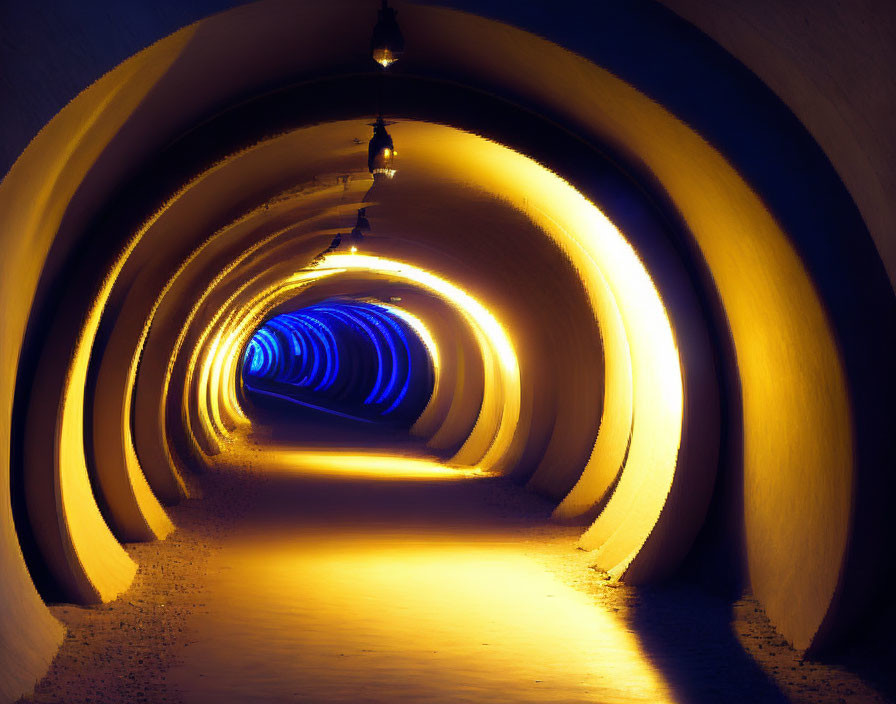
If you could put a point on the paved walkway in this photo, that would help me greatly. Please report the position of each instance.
(379, 589)
(377, 575)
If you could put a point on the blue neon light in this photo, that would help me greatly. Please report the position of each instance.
(305, 350)
(345, 314)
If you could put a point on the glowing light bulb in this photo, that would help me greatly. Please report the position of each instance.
(380, 151)
(387, 43)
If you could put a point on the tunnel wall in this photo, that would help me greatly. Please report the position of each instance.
(831, 64)
(171, 220)
(67, 203)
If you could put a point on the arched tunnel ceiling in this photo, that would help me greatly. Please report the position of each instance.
(811, 54)
(831, 73)
(728, 253)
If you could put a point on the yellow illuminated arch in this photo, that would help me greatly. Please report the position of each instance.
(425, 336)
(643, 404)
(216, 358)
(643, 412)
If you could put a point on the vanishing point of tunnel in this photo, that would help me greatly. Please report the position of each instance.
(374, 351)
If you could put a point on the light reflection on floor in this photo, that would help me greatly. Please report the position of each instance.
(390, 618)
(362, 464)
(364, 576)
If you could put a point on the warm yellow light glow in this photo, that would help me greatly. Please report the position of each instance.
(354, 249)
(345, 463)
(477, 613)
(218, 363)
(797, 415)
(419, 327)
(428, 280)
(210, 395)
(383, 57)
(196, 413)
(641, 356)
(798, 432)
(107, 567)
(46, 177)
(493, 433)
(608, 454)
(614, 278)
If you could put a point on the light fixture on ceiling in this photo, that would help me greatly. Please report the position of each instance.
(381, 151)
(387, 44)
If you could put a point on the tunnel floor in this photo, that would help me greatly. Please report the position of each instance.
(316, 584)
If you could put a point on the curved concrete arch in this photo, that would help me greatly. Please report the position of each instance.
(454, 405)
(450, 417)
(430, 157)
(133, 510)
(789, 267)
(166, 334)
(498, 413)
(165, 347)
(261, 266)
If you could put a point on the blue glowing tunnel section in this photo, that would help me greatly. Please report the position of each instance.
(341, 356)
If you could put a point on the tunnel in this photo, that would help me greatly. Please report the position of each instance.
(348, 358)
(447, 351)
